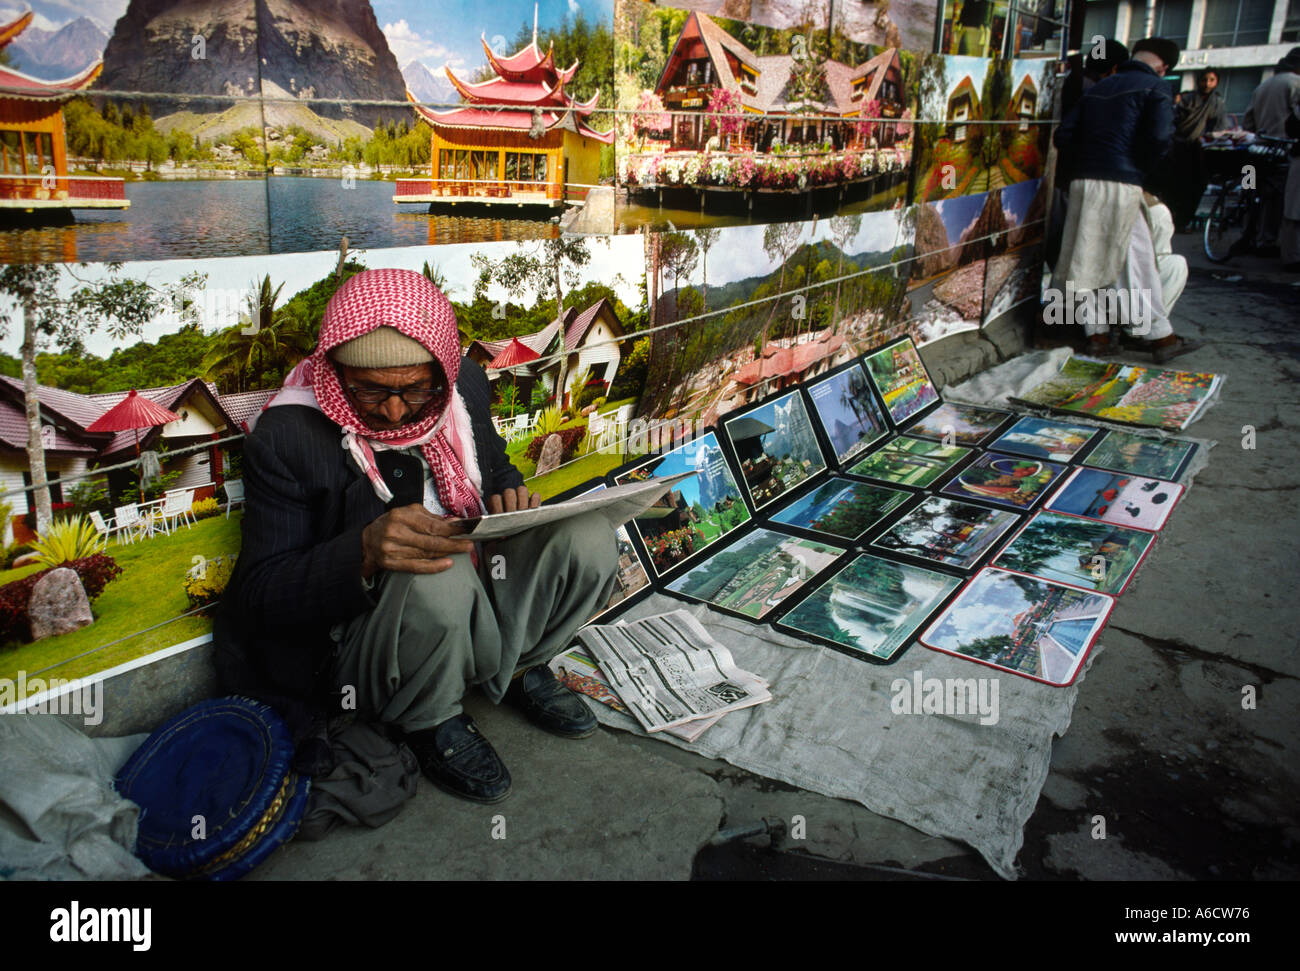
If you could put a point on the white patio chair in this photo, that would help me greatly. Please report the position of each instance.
(234, 494)
(597, 430)
(104, 529)
(129, 522)
(176, 510)
(515, 428)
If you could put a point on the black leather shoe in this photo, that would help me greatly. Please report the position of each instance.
(550, 705)
(456, 758)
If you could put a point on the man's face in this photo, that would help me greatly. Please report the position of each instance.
(386, 413)
(1209, 81)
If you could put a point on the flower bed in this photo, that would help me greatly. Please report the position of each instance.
(751, 170)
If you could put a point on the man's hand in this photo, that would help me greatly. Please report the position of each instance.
(513, 499)
(410, 539)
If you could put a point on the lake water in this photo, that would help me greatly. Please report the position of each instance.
(241, 217)
(679, 208)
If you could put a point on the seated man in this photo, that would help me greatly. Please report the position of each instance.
(351, 586)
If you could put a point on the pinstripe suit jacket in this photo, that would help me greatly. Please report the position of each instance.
(299, 567)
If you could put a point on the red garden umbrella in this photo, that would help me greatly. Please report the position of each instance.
(131, 414)
(515, 353)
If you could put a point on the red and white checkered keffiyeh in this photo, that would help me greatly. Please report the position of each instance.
(409, 302)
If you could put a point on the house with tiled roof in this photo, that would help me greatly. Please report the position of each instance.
(706, 58)
(963, 108)
(205, 416)
(590, 343)
(1024, 103)
(33, 142)
(519, 137)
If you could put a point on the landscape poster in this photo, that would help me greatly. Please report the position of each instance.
(841, 507)
(1045, 439)
(700, 511)
(848, 412)
(1126, 393)
(955, 238)
(761, 308)
(955, 533)
(902, 23)
(963, 102)
(776, 447)
(756, 573)
(872, 605)
(212, 341)
(1079, 552)
(1014, 271)
(958, 424)
(1116, 497)
(910, 461)
(974, 27)
(1030, 627)
(1159, 458)
(901, 379)
(727, 121)
(236, 128)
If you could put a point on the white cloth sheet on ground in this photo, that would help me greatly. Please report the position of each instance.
(60, 818)
(831, 728)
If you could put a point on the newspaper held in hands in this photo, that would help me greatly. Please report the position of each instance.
(667, 670)
(577, 671)
(617, 504)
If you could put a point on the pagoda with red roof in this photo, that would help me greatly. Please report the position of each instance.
(33, 147)
(518, 137)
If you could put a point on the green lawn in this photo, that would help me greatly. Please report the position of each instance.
(575, 473)
(609, 406)
(148, 592)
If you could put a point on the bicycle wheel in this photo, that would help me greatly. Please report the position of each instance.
(1219, 229)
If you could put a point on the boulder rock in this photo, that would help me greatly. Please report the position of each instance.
(58, 605)
(552, 452)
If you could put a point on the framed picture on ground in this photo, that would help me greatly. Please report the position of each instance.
(1115, 497)
(901, 380)
(910, 461)
(775, 447)
(1021, 624)
(870, 607)
(841, 508)
(697, 513)
(1159, 458)
(1079, 552)
(1042, 438)
(846, 409)
(956, 424)
(1004, 480)
(755, 573)
(956, 534)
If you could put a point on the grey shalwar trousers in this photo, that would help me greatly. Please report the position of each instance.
(432, 636)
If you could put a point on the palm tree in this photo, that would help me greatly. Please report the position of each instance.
(266, 340)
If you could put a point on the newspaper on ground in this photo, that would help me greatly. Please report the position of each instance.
(578, 671)
(617, 504)
(667, 670)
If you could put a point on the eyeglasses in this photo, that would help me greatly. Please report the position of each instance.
(412, 396)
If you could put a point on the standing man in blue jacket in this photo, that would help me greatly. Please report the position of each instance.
(1115, 138)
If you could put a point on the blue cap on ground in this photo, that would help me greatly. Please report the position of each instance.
(215, 789)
